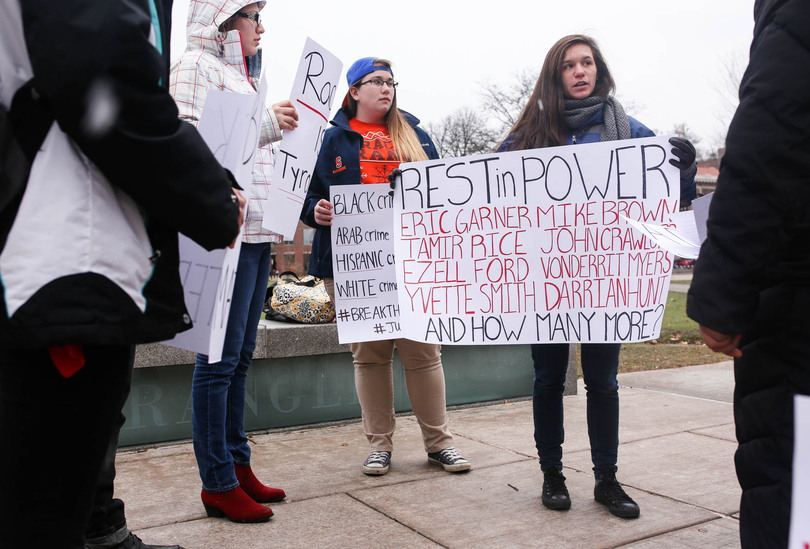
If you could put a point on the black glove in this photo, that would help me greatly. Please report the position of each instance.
(392, 179)
(685, 153)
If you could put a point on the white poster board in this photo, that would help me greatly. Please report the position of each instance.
(800, 507)
(312, 95)
(531, 246)
(679, 236)
(700, 208)
(366, 305)
(230, 125)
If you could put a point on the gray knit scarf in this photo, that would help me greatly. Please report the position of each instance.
(579, 111)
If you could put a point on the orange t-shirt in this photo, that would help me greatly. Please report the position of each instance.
(377, 153)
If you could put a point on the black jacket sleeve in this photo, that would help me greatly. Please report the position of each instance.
(759, 219)
(106, 84)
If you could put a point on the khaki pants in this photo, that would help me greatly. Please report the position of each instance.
(424, 381)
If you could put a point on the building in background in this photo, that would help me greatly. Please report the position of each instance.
(293, 255)
(706, 179)
(708, 170)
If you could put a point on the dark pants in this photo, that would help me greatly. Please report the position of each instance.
(56, 433)
(107, 524)
(600, 364)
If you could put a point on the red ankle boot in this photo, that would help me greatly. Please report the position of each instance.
(236, 505)
(255, 489)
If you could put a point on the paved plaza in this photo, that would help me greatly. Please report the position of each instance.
(675, 460)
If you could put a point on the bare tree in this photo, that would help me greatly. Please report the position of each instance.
(631, 106)
(727, 85)
(504, 103)
(682, 129)
(462, 133)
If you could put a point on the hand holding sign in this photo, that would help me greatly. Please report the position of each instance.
(286, 115)
(324, 212)
(393, 177)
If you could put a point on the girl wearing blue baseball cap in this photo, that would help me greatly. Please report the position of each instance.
(370, 137)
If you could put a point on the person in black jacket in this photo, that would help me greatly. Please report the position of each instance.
(751, 287)
(88, 248)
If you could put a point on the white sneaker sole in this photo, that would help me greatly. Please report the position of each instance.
(375, 471)
(456, 468)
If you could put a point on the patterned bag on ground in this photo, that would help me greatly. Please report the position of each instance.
(303, 300)
(269, 312)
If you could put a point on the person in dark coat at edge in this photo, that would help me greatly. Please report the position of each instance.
(89, 262)
(751, 288)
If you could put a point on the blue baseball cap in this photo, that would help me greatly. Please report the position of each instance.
(362, 67)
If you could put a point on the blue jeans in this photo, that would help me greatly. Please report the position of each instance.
(218, 390)
(600, 364)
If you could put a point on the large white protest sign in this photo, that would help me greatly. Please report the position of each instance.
(800, 507)
(363, 263)
(230, 126)
(531, 246)
(312, 95)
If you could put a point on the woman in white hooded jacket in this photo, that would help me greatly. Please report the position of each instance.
(223, 53)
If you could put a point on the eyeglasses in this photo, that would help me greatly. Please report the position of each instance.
(252, 16)
(378, 83)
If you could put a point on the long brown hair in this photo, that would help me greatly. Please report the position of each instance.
(542, 121)
(406, 143)
(229, 24)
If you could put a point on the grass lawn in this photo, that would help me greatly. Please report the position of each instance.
(679, 345)
(637, 357)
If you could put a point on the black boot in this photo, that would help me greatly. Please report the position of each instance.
(609, 492)
(555, 494)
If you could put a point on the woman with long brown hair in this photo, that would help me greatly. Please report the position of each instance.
(370, 137)
(573, 103)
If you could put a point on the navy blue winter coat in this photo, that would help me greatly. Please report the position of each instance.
(339, 164)
(591, 132)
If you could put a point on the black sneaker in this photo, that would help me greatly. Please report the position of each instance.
(134, 542)
(377, 463)
(450, 459)
(609, 492)
(555, 494)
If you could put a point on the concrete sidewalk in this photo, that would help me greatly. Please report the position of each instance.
(675, 460)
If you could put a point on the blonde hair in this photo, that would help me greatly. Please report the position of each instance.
(406, 142)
